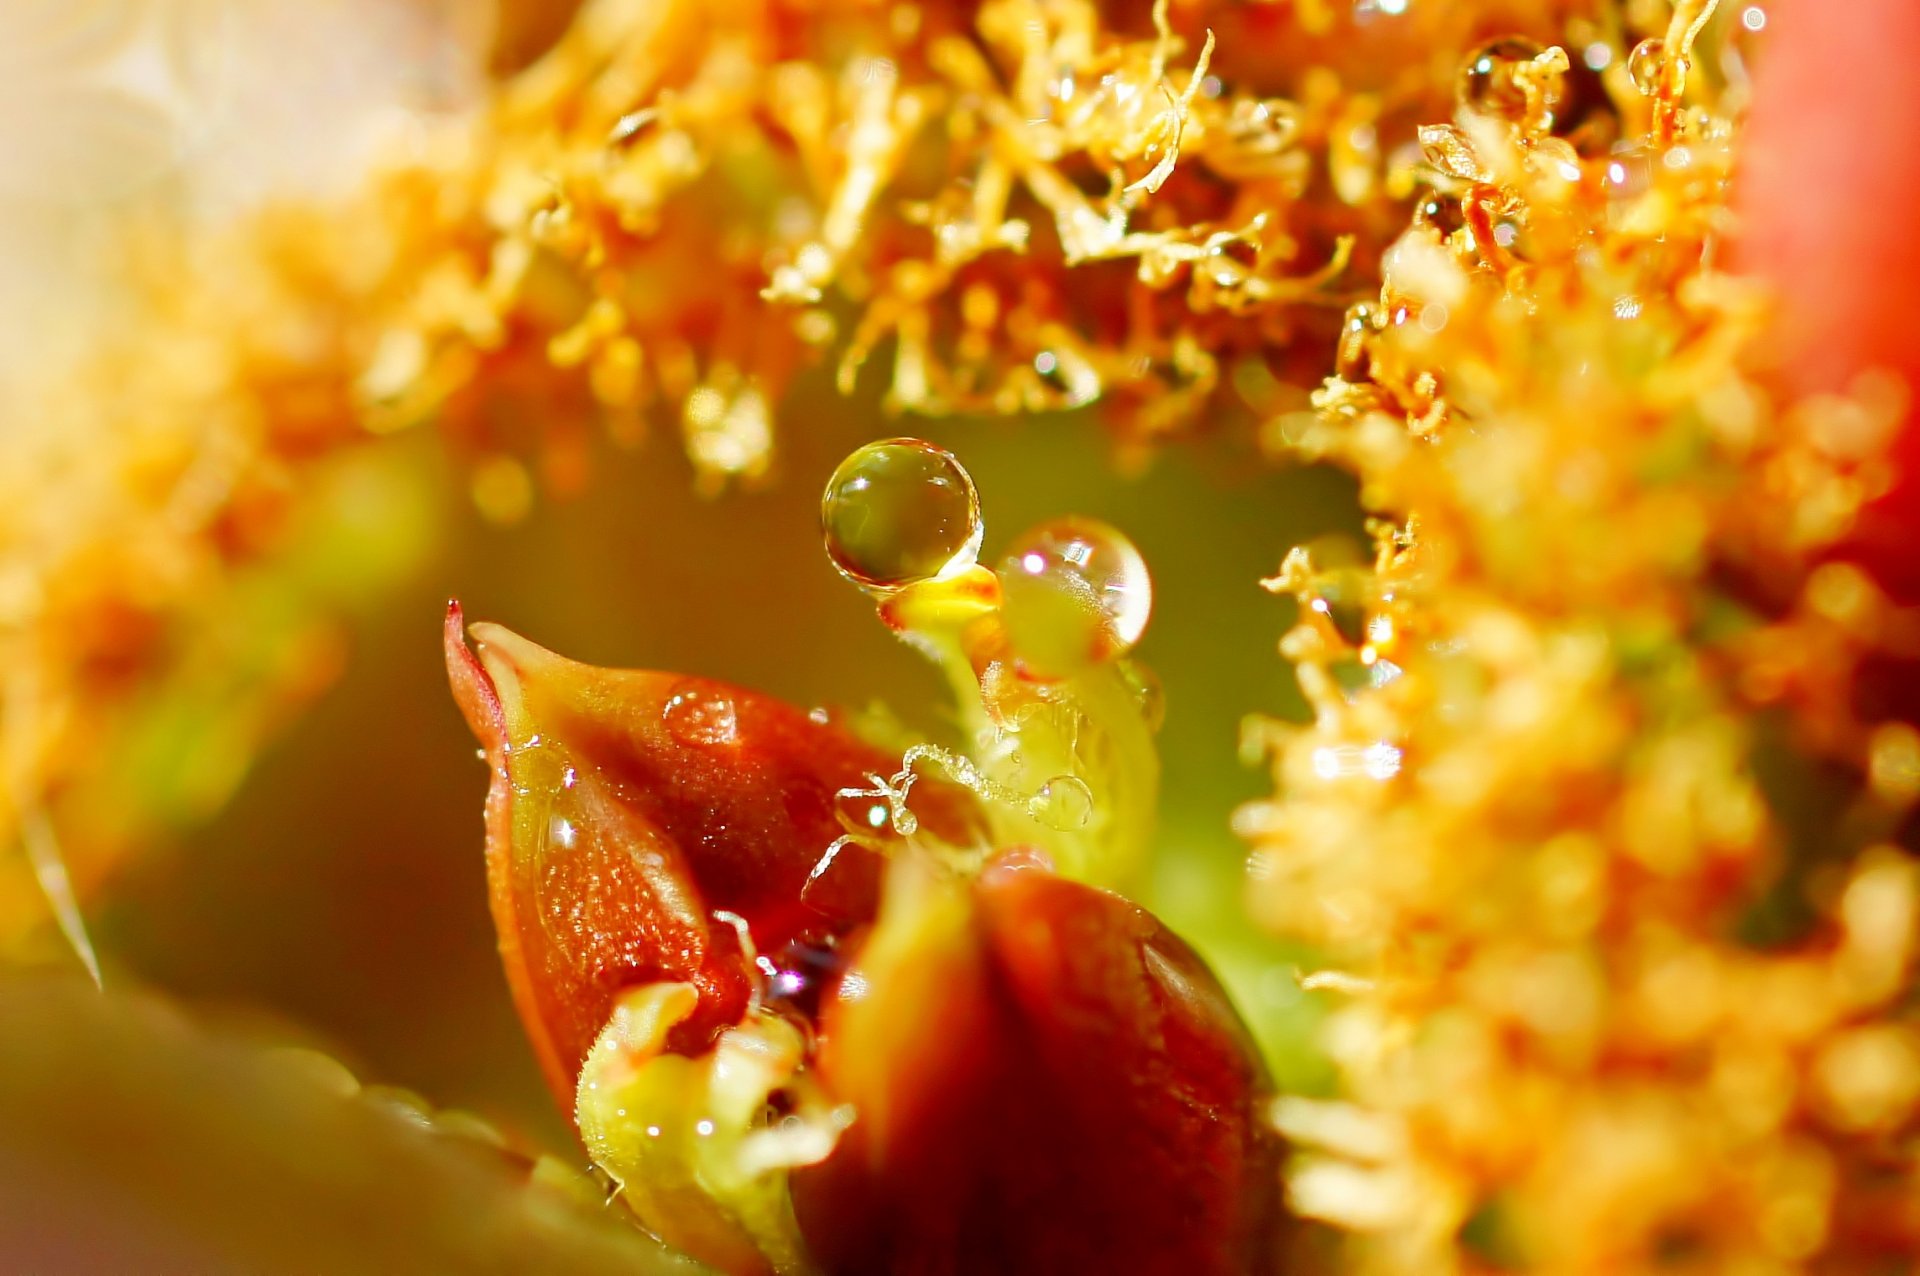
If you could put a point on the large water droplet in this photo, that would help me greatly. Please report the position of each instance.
(1074, 590)
(700, 716)
(899, 512)
(1645, 64)
(1064, 802)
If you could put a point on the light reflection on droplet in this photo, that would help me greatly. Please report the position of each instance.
(1376, 761)
(861, 813)
(1754, 18)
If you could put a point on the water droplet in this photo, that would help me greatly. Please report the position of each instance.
(1628, 174)
(1489, 83)
(801, 972)
(899, 512)
(1064, 802)
(1441, 212)
(1074, 590)
(1452, 152)
(699, 715)
(1147, 690)
(1354, 357)
(1645, 64)
(1345, 596)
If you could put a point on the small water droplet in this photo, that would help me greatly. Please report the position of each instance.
(899, 512)
(1441, 212)
(1074, 590)
(1152, 697)
(1345, 596)
(700, 715)
(1645, 64)
(1628, 174)
(1064, 802)
(802, 971)
(1489, 83)
(1353, 359)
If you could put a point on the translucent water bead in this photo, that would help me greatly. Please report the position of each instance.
(1646, 64)
(1494, 80)
(899, 512)
(1075, 591)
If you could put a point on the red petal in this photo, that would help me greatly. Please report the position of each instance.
(1828, 197)
(1047, 1081)
(626, 808)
